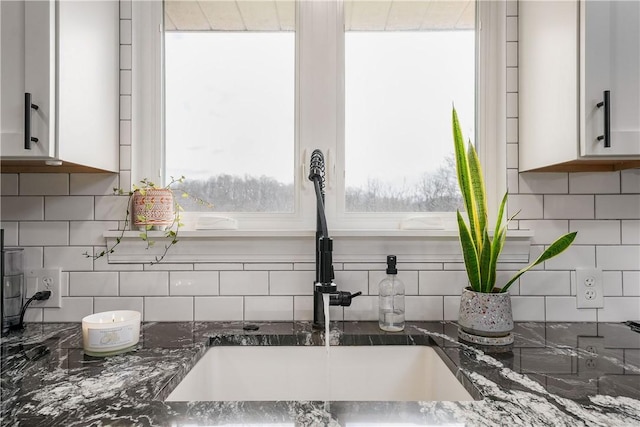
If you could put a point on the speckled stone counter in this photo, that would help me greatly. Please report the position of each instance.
(554, 374)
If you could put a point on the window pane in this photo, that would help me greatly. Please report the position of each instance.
(405, 64)
(229, 104)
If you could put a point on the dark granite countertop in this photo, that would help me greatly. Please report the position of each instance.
(555, 374)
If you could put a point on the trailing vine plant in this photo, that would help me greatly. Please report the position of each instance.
(171, 232)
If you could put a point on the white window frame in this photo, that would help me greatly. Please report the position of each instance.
(321, 124)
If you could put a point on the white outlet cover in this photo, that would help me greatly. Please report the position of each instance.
(42, 279)
(589, 288)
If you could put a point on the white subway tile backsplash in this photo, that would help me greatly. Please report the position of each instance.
(73, 310)
(41, 233)
(512, 28)
(143, 283)
(512, 158)
(267, 308)
(512, 79)
(303, 308)
(102, 264)
(44, 184)
(89, 233)
(218, 309)
(612, 283)
(101, 304)
(594, 183)
(619, 206)
(512, 130)
(10, 232)
(33, 257)
(618, 257)
(513, 183)
(568, 207)
(574, 256)
(527, 308)
(424, 308)
(619, 309)
(529, 206)
(291, 282)
(92, 184)
(268, 267)
(93, 284)
(125, 82)
(630, 180)
(125, 107)
(125, 138)
(451, 307)
(543, 183)
(70, 258)
(168, 309)
(353, 281)
(408, 278)
(596, 232)
(631, 232)
(545, 283)
(68, 208)
(442, 282)
(546, 230)
(244, 283)
(125, 31)
(512, 55)
(125, 57)
(9, 184)
(631, 283)
(33, 315)
(563, 309)
(125, 157)
(362, 308)
(304, 266)
(512, 105)
(125, 9)
(111, 208)
(512, 7)
(22, 208)
(194, 283)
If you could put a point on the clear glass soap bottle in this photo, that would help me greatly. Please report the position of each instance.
(391, 299)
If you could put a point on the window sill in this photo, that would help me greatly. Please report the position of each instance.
(271, 246)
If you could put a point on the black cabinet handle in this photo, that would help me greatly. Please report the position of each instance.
(607, 119)
(28, 139)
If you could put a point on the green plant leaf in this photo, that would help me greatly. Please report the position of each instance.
(485, 263)
(470, 255)
(477, 186)
(556, 248)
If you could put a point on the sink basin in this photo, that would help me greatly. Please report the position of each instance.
(345, 373)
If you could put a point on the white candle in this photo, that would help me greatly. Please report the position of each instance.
(110, 332)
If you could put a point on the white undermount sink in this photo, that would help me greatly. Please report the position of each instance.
(356, 373)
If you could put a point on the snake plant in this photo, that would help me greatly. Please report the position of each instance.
(479, 250)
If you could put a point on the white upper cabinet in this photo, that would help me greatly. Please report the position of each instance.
(63, 57)
(573, 55)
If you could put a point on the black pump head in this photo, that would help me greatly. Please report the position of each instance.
(391, 264)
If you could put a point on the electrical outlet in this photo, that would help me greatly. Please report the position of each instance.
(589, 288)
(44, 279)
(591, 351)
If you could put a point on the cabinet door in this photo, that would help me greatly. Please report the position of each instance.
(610, 44)
(28, 66)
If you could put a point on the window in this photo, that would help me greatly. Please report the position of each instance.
(371, 85)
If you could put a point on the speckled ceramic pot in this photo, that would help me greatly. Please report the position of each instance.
(154, 208)
(485, 314)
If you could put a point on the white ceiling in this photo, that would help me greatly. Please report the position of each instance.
(279, 15)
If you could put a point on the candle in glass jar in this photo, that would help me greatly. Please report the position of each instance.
(110, 332)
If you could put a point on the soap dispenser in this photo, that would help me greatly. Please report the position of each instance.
(391, 299)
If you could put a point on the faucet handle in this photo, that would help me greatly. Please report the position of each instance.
(343, 298)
